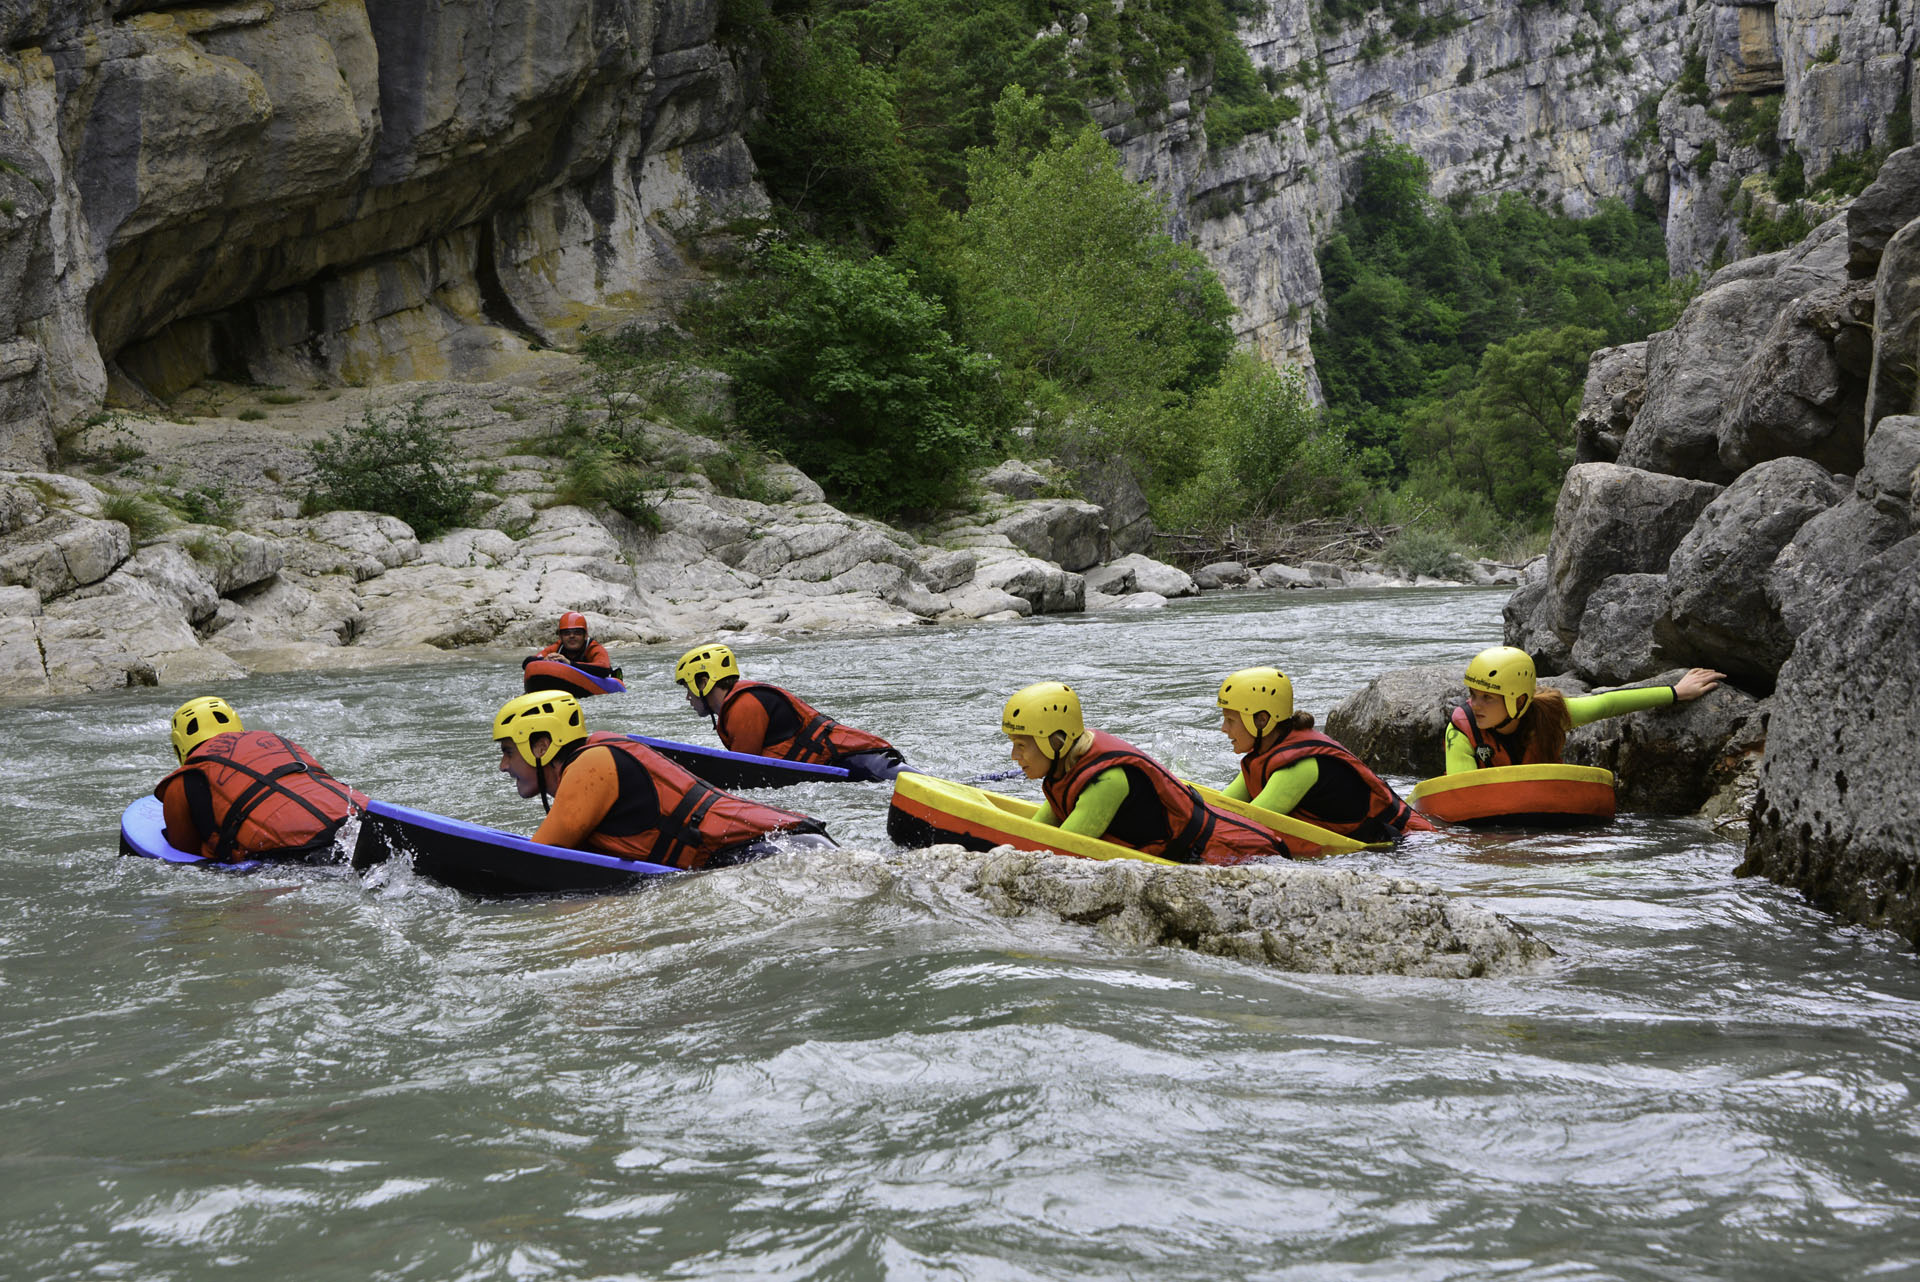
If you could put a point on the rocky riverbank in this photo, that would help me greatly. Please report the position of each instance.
(89, 606)
(1748, 500)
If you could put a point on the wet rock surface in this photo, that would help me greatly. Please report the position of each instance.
(1287, 916)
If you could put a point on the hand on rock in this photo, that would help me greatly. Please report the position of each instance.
(1697, 682)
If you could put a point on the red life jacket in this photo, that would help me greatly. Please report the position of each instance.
(1491, 748)
(270, 798)
(666, 815)
(1162, 814)
(796, 731)
(593, 656)
(1385, 817)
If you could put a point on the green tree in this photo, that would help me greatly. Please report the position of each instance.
(829, 145)
(1269, 452)
(1063, 270)
(843, 366)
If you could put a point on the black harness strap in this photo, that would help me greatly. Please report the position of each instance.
(813, 735)
(680, 830)
(1194, 836)
(264, 785)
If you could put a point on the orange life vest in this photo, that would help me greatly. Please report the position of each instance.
(1162, 814)
(1491, 748)
(270, 798)
(666, 815)
(796, 731)
(1384, 817)
(592, 655)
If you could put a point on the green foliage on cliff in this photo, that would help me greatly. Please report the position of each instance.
(1455, 340)
(872, 105)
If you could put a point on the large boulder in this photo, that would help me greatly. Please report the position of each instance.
(1070, 532)
(1528, 621)
(1890, 202)
(1617, 645)
(1149, 575)
(1694, 370)
(1396, 723)
(1042, 585)
(1671, 760)
(1893, 387)
(1812, 570)
(1613, 520)
(1615, 390)
(1803, 390)
(63, 551)
(1834, 812)
(1717, 608)
(1110, 483)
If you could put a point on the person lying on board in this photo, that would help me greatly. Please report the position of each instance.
(1288, 766)
(765, 721)
(1099, 785)
(1509, 721)
(607, 793)
(246, 794)
(577, 648)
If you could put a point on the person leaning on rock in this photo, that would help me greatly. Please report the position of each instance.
(576, 647)
(1509, 721)
(766, 721)
(608, 793)
(1099, 785)
(1288, 766)
(247, 794)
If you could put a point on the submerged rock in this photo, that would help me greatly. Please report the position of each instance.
(1287, 916)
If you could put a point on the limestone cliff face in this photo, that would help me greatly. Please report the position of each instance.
(350, 189)
(1569, 103)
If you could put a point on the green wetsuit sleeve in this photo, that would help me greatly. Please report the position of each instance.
(1099, 802)
(1459, 752)
(1588, 708)
(1285, 788)
(1044, 815)
(1237, 790)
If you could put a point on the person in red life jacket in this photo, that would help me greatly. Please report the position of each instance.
(577, 648)
(608, 793)
(1099, 785)
(1288, 766)
(766, 721)
(1509, 721)
(247, 794)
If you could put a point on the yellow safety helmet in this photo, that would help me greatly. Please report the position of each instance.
(198, 720)
(701, 667)
(1252, 690)
(1039, 711)
(554, 713)
(1504, 671)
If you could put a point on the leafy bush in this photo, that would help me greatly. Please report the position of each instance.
(595, 474)
(209, 504)
(145, 520)
(1270, 453)
(396, 462)
(847, 370)
(1416, 551)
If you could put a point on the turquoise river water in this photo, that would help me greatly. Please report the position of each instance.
(777, 1072)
